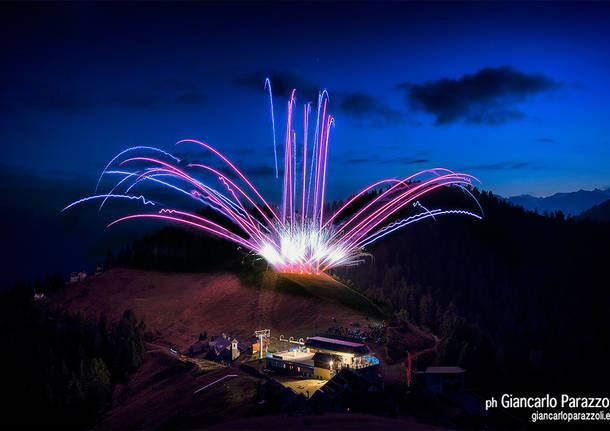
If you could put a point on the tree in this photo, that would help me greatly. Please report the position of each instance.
(109, 259)
(427, 311)
(403, 315)
(129, 340)
(97, 381)
(449, 349)
(465, 356)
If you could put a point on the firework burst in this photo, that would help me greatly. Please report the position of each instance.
(296, 236)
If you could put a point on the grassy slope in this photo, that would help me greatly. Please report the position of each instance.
(325, 288)
(180, 306)
(160, 396)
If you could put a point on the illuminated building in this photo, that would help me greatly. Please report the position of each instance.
(322, 357)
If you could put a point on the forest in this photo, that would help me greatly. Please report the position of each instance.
(58, 365)
(518, 299)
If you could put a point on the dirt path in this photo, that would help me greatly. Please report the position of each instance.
(434, 348)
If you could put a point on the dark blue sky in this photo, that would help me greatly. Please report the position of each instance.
(82, 81)
(514, 93)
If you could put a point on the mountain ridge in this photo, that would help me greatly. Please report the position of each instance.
(570, 203)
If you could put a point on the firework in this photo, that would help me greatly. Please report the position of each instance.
(295, 236)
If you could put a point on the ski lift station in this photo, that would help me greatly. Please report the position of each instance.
(323, 356)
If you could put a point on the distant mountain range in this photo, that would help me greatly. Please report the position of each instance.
(572, 203)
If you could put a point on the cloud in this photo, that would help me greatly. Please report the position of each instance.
(364, 106)
(192, 153)
(402, 161)
(505, 165)
(135, 100)
(358, 105)
(486, 97)
(394, 160)
(391, 147)
(188, 92)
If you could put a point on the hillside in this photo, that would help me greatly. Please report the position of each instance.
(177, 307)
(599, 212)
(160, 396)
(507, 295)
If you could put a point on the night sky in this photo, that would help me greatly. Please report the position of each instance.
(515, 94)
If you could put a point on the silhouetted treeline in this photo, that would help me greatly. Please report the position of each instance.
(599, 213)
(518, 299)
(58, 370)
(180, 249)
(49, 284)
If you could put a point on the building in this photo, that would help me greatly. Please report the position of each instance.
(256, 345)
(73, 277)
(323, 365)
(461, 406)
(323, 356)
(442, 379)
(336, 353)
(295, 361)
(225, 348)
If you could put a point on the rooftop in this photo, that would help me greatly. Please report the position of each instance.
(336, 341)
(444, 370)
(334, 345)
(294, 355)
